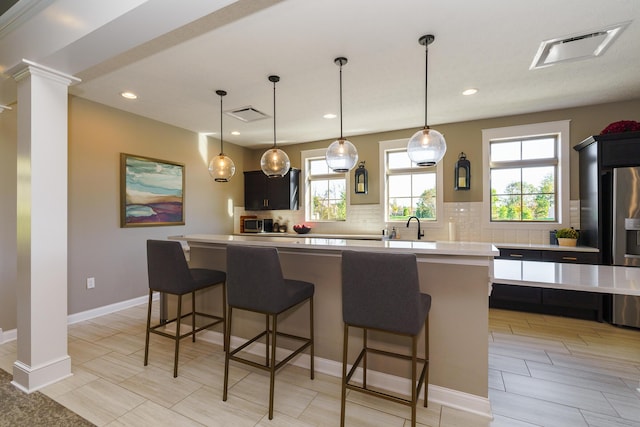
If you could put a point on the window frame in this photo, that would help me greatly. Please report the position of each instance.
(559, 129)
(315, 154)
(400, 144)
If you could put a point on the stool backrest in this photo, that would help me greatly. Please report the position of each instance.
(254, 277)
(167, 267)
(381, 291)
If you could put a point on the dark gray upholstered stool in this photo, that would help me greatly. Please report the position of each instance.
(381, 292)
(255, 283)
(170, 274)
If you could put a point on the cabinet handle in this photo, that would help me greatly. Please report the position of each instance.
(569, 258)
(265, 203)
(516, 255)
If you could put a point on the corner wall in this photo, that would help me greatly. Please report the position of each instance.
(8, 242)
(98, 247)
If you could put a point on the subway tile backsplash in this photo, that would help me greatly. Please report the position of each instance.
(463, 222)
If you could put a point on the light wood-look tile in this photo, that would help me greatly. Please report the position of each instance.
(100, 401)
(544, 371)
(151, 414)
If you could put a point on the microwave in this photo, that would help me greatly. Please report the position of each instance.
(253, 226)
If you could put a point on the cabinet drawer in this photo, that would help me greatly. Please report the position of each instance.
(570, 256)
(574, 299)
(516, 293)
(521, 254)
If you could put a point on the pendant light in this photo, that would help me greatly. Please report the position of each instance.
(221, 167)
(341, 155)
(427, 146)
(275, 162)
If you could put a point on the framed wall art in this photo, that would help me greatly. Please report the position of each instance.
(151, 192)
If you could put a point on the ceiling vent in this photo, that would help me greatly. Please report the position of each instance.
(576, 47)
(247, 114)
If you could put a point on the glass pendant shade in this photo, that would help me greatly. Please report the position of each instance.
(275, 163)
(221, 168)
(426, 147)
(341, 155)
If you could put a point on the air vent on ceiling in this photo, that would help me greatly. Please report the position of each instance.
(247, 114)
(576, 47)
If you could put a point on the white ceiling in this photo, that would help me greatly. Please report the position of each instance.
(175, 54)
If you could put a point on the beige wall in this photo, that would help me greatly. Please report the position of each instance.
(8, 243)
(99, 248)
(467, 137)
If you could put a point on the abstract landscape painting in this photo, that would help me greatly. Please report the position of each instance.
(151, 192)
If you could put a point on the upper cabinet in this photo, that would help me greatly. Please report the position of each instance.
(264, 193)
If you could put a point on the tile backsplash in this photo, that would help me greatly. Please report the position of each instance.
(463, 223)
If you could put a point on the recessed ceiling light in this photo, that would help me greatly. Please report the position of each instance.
(129, 95)
(235, 132)
(471, 91)
(329, 116)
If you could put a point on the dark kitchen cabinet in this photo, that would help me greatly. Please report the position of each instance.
(264, 193)
(584, 305)
(599, 155)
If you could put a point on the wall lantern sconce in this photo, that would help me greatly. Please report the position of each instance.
(362, 179)
(463, 173)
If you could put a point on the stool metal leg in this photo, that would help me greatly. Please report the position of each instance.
(426, 360)
(311, 336)
(272, 376)
(227, 343)
(193, 316)
(414, 378)
(175, 360)
(345, 352)
(146, 341)
(364, 360)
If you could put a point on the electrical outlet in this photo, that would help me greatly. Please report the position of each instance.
(91, 282)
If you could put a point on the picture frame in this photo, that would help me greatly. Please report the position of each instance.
(151, 192)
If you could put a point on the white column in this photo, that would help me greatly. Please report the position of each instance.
(41, 226)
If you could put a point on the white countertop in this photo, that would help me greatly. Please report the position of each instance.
(578, 277)
(546, 247)
(317, 243)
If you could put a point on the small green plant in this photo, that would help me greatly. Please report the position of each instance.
(567, 233)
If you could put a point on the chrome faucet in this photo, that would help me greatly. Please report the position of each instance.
(420, 233)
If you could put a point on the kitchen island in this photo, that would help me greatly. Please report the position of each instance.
(457, 275)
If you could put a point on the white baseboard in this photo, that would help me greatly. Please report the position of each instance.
(108, 309)
(6, 336)
(444, 396)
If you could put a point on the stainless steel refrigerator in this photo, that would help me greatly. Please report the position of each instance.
(626, 238)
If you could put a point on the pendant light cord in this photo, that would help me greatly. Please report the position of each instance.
(426, 81)
(341, 100)
(221, 143)
(274, 114)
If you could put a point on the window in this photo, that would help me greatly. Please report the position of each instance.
(527, 174)
(325, 190)
(408, 189)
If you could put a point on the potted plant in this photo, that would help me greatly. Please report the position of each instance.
(567, 236)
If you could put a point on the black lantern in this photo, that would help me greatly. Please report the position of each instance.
(463, 173)
(362, 179)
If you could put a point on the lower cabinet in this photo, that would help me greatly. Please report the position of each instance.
(578, 304)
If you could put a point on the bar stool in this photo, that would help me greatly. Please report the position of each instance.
(170, 274)
(255, 283)
(381, 292)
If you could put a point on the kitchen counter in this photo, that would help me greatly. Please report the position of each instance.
(545, 247)
(457, 275)
(419, 247)
(608, 279)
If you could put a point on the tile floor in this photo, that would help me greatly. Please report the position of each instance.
(544, 371)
